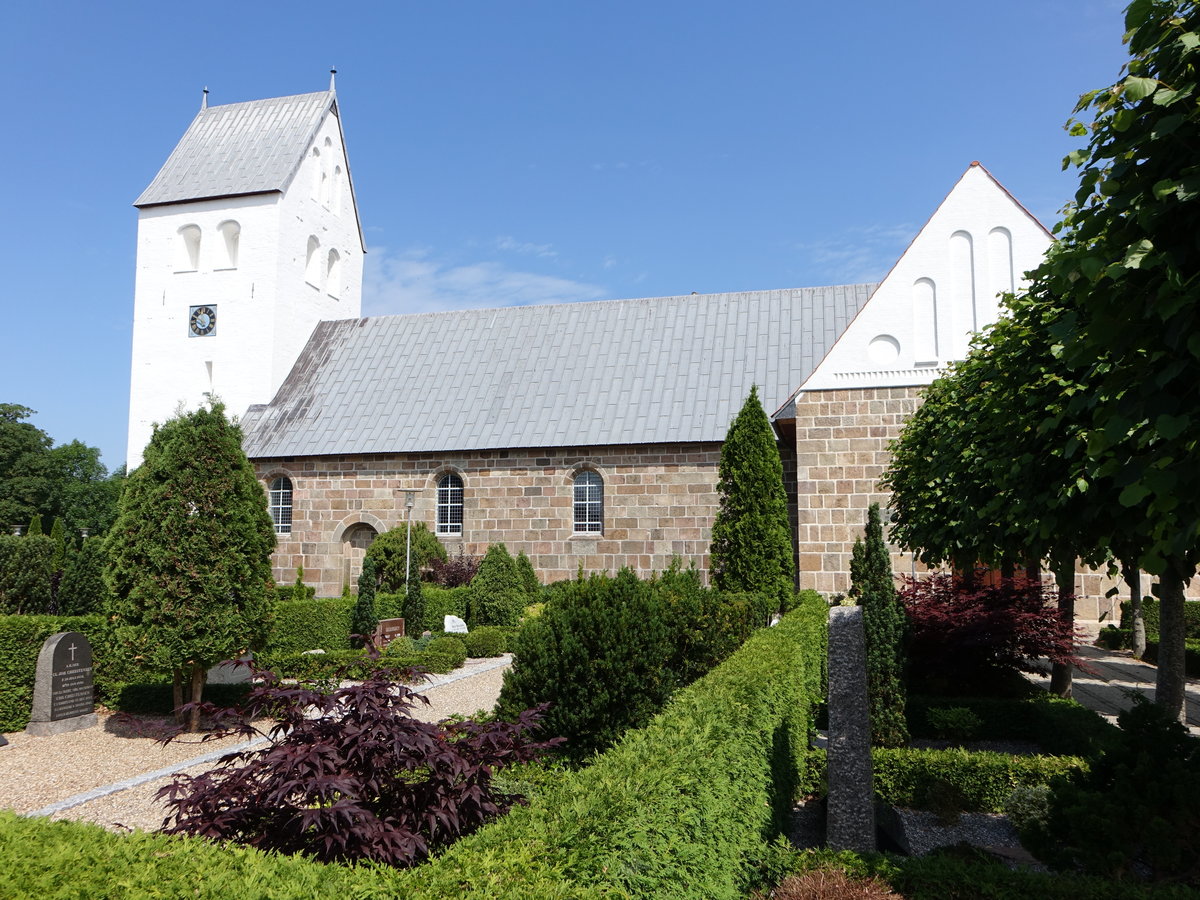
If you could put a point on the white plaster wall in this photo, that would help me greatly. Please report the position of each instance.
(265, 308)
(979, 242)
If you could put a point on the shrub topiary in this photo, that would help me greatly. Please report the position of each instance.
(449, 646)
(83, 589)
(27, 581)
(597, 654)
(350, 775)
(496, 595)
(486, 640)
(529, 578)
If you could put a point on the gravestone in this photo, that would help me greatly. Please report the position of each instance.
(63, 696)
(850, 817)
(453, 625)
(387, 631)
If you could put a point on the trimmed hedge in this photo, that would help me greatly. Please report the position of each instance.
(356, 665)
(1191, 655)
(918, 779)
(310, 625)
(443, 601)
(1058, 726)
(488, 640)
(1191, 617)
(685, 807)
(450, 646)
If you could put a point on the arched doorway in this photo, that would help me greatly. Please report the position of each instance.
(355, 541)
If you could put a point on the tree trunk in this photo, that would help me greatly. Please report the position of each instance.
(177, 694)
(1169, 689)
(1064, 574)
(1133, 577)
(1033, 570)
(966, 569)
(198, 677)
(1008, 571)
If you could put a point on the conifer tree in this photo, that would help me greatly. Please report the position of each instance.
(751, 540)
(364, 618)
(414, 602)
(190, 553)
(35, 527)
(533, 587)
(83, 589)
(873, 588)
(57, 534)
(497, 594)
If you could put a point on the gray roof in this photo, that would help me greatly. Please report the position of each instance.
(575, 374)
(240, 148)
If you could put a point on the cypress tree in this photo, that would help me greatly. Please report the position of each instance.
(57, 534)
(751, 540)
(83, 589)
(364, 618)
(529, 578)
(189, 556)
(873, 588)
(414, 601)
(35, 527)
(497, 594)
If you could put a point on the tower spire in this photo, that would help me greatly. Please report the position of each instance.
(204, 99)
(332, 76)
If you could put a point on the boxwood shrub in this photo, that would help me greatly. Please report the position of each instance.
(488, 640)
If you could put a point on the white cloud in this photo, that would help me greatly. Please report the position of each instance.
(416, 280)
(857, 255)
(512, 245)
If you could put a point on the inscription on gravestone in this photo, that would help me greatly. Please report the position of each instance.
(62, 690)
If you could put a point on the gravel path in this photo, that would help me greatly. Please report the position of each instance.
(39, 771)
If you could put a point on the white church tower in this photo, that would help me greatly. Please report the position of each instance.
(247, 238)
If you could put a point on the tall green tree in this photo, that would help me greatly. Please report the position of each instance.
(364, 618)
(414, 602)
(391, 549)
(1124, 285)
(873, 587)
(190, 553)
(83, 589)
(752, 544)
(497, 594)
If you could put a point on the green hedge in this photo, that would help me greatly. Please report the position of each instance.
(488, 640)
(443, 601)
(310, 625)
(355, 664)
(1056, 725)
(51, 860)
(1191, 617)
(919, 778)
(21, 639)
(1191, 655)
(684, 807)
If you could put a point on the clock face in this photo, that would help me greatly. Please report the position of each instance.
(202, 321)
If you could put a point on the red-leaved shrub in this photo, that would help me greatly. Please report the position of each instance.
(455, 571)
(348, 774)
(960, 633)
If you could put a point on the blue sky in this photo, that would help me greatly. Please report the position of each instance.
(528, 152)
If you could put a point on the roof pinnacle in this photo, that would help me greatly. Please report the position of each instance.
(332, 76)
(204, 99)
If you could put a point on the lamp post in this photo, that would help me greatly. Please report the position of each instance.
(410, 500)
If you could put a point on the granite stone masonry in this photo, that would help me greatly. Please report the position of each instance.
(63, 694)
(851, 806)
(659, 502)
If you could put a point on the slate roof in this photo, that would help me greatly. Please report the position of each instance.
(664, 370)
(240, 148)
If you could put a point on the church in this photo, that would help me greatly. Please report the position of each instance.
(584, 434)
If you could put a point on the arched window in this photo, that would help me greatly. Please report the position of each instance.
(318, 174)
(231, 231)
(336, 202)
(279, 503)
(333, 275)
(325, 181)
(450, 504)
(189, 249)
(589, 502)
(312, 262)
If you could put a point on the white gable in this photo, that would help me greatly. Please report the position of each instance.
(976, 245)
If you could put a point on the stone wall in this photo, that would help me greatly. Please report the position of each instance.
(842, 439)
(659, 501)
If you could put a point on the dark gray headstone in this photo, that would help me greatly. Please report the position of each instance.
(63, 695)
(850, 823)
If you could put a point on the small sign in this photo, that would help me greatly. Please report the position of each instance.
(387, 631)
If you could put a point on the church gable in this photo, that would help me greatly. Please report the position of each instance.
(976, 245)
